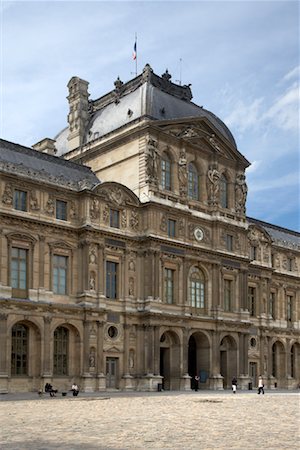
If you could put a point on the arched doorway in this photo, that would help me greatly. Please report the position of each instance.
(169, 363)
(278, 364)
(228, 360)
(199, 359)
(25, 356)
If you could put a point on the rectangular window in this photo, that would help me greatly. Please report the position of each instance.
(289, 305)
(61, 210)
(20, 200)
(111, 279)
(229, 242)
(252, 300)
(114, 218)
(228, 295)
(171, 228)
(197, 294)
(60, 270)
(272, 305)
(166, 174)
(169, 286)
(253, 253)
(18, 272)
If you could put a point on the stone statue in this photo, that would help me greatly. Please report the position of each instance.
(7, 197)
(94, 208)
(151, 161)
(240, 193)
(213, 176)
(182, 174)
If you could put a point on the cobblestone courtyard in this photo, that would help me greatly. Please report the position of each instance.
(202, 420)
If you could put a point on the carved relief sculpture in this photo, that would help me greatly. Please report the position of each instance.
(131, 286)
(73, 213)
(182, 174)
(163, 223)
(50, 206)
(213, 180)
(94, 209)
(134, 220)
(7, 197)
(105, 214)
(151, 161)
(123, 218)
(33, 202)
(240, 193)
(93, 254)
(92, 281)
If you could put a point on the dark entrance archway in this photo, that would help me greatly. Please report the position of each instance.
(199, 359)
(228, 360)
(169, 363)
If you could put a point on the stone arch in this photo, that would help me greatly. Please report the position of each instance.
(170, 357)
(279, 363)
(228, 359)
(29, 352)
(294, 362)
(74, 349)
(199, 357)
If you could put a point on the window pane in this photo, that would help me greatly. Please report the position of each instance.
(61, 210)
(60, 265)
(19, 350)
(20, 200)
(60, 356)
(18, 271)
(111, 279)
(193, 183)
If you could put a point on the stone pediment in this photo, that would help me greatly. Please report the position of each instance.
(199, 133)
(116, 193)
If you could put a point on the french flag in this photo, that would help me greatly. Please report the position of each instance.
(134, 51)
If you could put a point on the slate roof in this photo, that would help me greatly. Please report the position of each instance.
(280, 236)
(147, 95)
(28, 163)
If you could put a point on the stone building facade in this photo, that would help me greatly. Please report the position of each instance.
(127, 258)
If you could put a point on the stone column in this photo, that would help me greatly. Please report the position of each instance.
(216, 379)
(47, 369)
(185, 382)
(86, 377)
(100, 357)
(241, 354)
(156, 351)
(216, 298)
(243, 288)
(3, 354)
(243, 378)
(128, 379)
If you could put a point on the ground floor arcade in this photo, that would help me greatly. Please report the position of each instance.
(121, 354)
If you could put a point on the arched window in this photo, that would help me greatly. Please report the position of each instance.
(166, 172)
(19, 350)
(61, 351)
(292, 356)
(223, 191)
(197, 289)
(193, 182)
(274, 368)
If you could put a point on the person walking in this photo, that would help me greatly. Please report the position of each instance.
(260, 385)
(234, 384)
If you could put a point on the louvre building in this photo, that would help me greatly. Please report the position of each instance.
(127, 258)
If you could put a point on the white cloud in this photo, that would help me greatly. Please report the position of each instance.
(294, 73)
(285, 110)
(244, 116)
(254, 166)
(291, 179)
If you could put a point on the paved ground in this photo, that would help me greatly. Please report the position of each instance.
(172, 421)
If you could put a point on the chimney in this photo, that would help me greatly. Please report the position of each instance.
(46, 145)
(78, 114)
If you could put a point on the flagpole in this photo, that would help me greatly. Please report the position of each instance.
(136, 55)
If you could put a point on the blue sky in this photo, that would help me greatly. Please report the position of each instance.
(241, 57)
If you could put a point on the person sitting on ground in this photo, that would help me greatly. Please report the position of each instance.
(75, 389)
(234, 384)
(49, 388)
